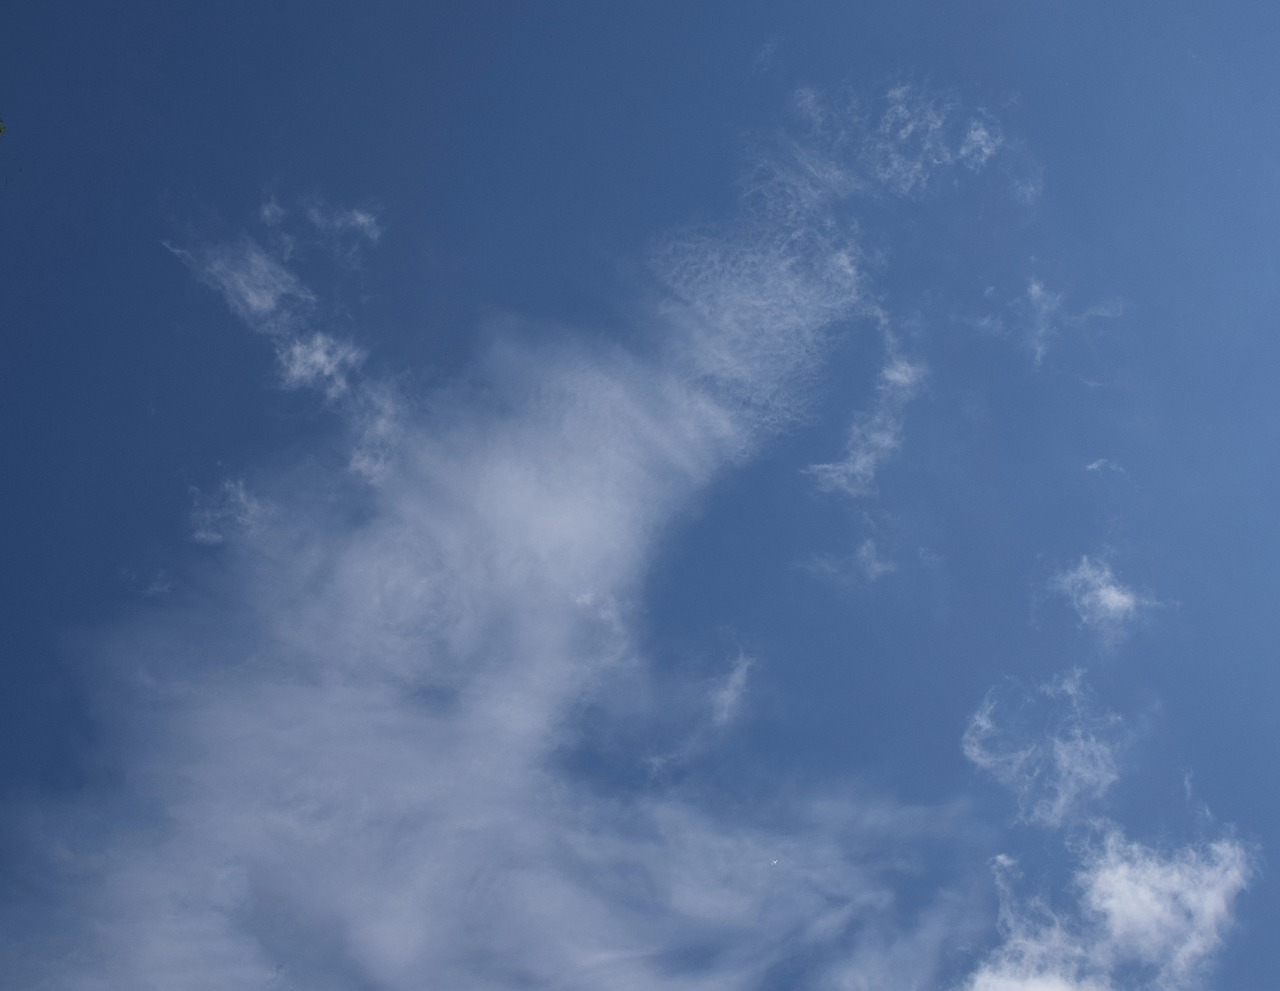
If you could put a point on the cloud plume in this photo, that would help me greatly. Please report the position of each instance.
(358, 755)
(347, 762)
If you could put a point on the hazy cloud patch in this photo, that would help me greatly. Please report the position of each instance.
(229, 509)
(1051, 748)
(1103, 604)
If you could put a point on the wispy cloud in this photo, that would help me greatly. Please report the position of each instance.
(919, 134)
(1104, 464)
(361, 223)
(727, 699)
(767, 57)
(319, 361)
(1038, 316)
(262, 291)
(1043, 309)
(697, 717)
(876, 434)
(348, 765)
(1104, 605)
(865, 564)
(1141, 917)
(1043, 316)
(753, 302)
(1146, 918)
(229, 509)
(369, 794)
(899, 146)
(258, 287)
(1051, 749)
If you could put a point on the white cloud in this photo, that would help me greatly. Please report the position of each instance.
(1044, 316)
(865, 565)
(1038, 316)
(1145, 919)
(1141, 917)
(1043, 310)
(1169, 911)
(876, 435)
(348, 777)
(346, 762)
(258, 288)
(873, 566)
(1103, 604)
(981, 142)
(319, 361)
(271, 213)
(269, 297)
(753, 306)
(363, 223)
(916, 136)
(767, 57)
(1051, 749)
(912, 140)
(726, 701)
(228, 510)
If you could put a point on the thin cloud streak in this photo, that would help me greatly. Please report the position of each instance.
(876, 435)
(272, 300)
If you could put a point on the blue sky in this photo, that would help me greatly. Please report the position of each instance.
(665, 496)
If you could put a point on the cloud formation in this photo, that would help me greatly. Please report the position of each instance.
(726, 701)
(1043, 316)
(230, 508)
(876, 435)
(349, 763)
(1103, 604)
(1139, 917)
(1051, 748)
(357, 760)
(263, 292)
(1038, 316)
(1145, 918)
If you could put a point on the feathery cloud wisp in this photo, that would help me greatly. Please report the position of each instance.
(876, 435)
(1050, 749)
(1103, 604)
(1145, 918)
(230, 508)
